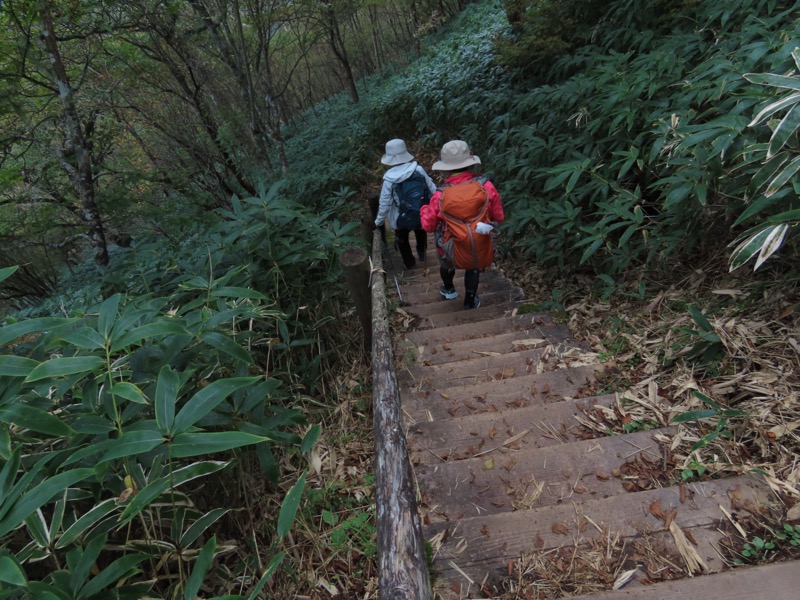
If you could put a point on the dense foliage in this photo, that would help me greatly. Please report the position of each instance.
(116, 414)
(620, 138)
(637, 148)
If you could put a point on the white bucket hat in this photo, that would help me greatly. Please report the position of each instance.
(455, 155)
(396, 153)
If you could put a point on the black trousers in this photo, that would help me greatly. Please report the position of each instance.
(472, 278)
(401, 235)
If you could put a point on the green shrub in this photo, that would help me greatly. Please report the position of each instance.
(123, 419)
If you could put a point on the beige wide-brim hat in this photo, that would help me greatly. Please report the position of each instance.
(396, 153)
(455, 155)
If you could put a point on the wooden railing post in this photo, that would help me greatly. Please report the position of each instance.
(402, 568)
(355, 264)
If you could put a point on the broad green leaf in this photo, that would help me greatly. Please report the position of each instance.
(166, 398)
(789, 216)
(197, 444)
(12, 573)
(60, 367)
(783, 177)
(43, 591)
(784, 131)
(238, 292)
(204, 401)
(706, 400)
(197, 528)
(200, 569)
(268, 572)
(80, 563)
(779, 81)
(40, 495)
(290, 505)
(93, 424)
(9, 333)
(227, 346)
(38, 529)
(120, 569)
(16, 366)
(772, 108)
(700, 319)
(131, 443)
(757, 205)
(7, 272)
(310, 438)
(9, 473)
(694, 415)
(748, 248)
(57, 518)
(108, 314)
(768, 171)
(128, 391)
(771, 244)
(35, 419)
(590, 250)
(155, 488)
(150, 330)
(86, 522)
(5, 444)
(86, 338)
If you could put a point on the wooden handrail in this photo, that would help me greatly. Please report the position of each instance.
(402, 568)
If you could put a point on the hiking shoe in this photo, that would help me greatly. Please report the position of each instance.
(474, 303)
(449, 294)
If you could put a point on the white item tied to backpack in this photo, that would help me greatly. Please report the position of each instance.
(484, 228)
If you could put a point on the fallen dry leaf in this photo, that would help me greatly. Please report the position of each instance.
(516, 438)
(560, 528)
(655, 510)
(794, 513)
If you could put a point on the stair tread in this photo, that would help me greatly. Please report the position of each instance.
(530, 323)
(497, 395)
(576, 472)
(482, 545)
(547, 425)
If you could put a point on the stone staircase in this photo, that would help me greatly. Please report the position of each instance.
(508, 479)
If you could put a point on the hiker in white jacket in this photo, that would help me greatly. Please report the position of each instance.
(403, 169)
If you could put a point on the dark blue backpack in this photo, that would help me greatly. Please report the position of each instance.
(410, 195)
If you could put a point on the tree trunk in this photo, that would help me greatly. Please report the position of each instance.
(336, 43)
(375, 25)
(75, 155)
(415, 21)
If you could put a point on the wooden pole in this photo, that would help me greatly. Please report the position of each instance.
(402, 568)
(355, 264)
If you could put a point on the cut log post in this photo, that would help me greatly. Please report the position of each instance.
(402, 568)
(355, 264)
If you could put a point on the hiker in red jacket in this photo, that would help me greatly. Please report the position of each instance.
(463, 213)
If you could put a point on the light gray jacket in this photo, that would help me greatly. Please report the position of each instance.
(388, 206)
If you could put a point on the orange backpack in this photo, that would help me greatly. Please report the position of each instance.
(463, 206)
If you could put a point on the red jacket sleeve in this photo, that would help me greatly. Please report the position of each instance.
(429, 215)
(496, 214)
